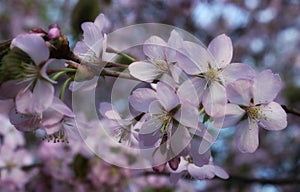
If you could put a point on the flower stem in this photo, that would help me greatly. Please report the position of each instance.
(58, 74)
(64, 86)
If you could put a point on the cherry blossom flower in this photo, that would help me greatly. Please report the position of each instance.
(212, 70)
(208, 171)
(91, 50)
(38, 93)
(11, 163)
(50, 119)
(254, 101)
(161, 63)
(120, 128)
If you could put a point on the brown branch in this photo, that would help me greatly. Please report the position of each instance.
(291, 110)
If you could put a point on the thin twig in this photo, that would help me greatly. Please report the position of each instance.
(291, 110)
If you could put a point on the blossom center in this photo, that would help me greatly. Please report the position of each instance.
(255, 113)
(211, 75)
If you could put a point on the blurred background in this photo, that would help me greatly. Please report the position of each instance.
(265, 34)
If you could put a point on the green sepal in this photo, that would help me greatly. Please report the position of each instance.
(12, 66)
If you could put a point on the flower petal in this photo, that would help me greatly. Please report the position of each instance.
(220, 172)
(144, 71)
(33, 45)
(266, 87)
(91, 34)
(233, 114)
(191, 91)
(276, 118)
(187, 115)
(239, 92)
(247, 136)
(10, 89)
(141, 99)
(236, 71)
(180, 139)
(61, 107)
(167, 96)
(42, 96)
(221, 48)
(24, 102)
(214, 99)
(154, 48)
(201, 173)
(193, 58)
(106, 110)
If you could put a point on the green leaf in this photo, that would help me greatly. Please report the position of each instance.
(82, 12)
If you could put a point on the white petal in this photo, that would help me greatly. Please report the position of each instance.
(266, 87)
(154, 48)
(106, 110)
(144, 71)
(33, 45)
(91, 34)
(221, 48)
(247, 136)
(180, 139)
(201, 173)
(275, 117)
(152, 125)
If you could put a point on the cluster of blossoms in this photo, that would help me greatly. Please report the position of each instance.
(190, 88)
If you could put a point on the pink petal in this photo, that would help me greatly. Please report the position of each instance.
(236, 71)
(51, 118)
(42, 96)
(54, 64)
(200, 151)
(167, 96)
(141, 99)
(10, 89)
(187, 115)
(214, 99)
(233, 114)
(33, 45)
(192, 90)
(247, 136)
(159, 158)
(239, 92)
(61, 107)
(24, 122)
(24, 102)
(266, 86)
(275, 117)
(221, 48)
(195, 59)
(154, 48)
(144, 71)
(155, 108)
(106, 110)
(180, 139)
(221, 172)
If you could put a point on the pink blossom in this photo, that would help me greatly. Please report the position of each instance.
(254, 100)
(211, 70)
